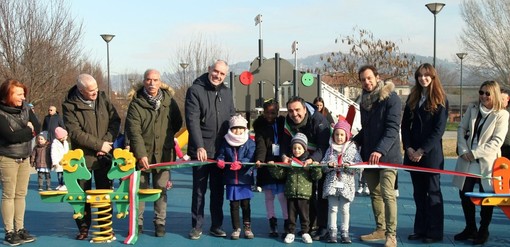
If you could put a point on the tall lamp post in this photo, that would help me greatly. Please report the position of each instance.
(107, 38)
(461, 55)
(435, 8)
(184, 66)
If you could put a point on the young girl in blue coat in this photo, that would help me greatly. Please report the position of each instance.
(238, 148)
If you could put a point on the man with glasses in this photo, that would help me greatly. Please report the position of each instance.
(92, 123)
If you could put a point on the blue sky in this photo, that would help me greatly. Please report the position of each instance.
(148, 32)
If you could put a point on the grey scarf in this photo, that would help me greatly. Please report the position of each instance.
(154, 101)
(369, 98)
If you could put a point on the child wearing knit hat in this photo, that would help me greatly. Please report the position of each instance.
(40, 159)
(298, 188)
(339, 186)
(236, 149)
(59, 147)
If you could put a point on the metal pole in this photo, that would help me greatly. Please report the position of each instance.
(277, 77)
(434, 61)
(319, 91)
(108, 66)
(461, 89)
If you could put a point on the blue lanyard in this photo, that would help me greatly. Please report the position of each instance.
(275, 131)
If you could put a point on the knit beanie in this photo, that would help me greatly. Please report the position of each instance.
(60, 133)
(237, 121)
(301, 139)
(44, 134)
(343, 124)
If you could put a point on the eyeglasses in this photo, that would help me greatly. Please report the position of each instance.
(486, 93)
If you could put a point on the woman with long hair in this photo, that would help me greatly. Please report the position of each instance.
(423, 125)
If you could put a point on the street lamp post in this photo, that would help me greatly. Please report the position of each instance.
(461, 55)
(435, 8)
(184, 66)
(107, 38)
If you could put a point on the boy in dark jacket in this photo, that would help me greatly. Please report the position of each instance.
(298, 188)
(238, 148)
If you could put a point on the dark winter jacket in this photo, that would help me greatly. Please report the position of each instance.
(207, 111)
(265, 137)
(298, 181)
(15, 135)
(244, 154)
(317, 130)
(89, 128)
(41, 157)
(151, 132)
(51, 122)
(381, 126)
(425, 130)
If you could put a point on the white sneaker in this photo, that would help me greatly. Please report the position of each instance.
(397, 193)
(307, 239)
(58, 187)
(63, 187)
(289, 238)
(360, 190)
(366, 191)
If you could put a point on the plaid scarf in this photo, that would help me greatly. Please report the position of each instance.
(154, 101)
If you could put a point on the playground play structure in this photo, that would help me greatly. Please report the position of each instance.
(500, 184)
(126, 197)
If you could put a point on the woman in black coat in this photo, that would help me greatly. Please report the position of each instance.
(423, 125)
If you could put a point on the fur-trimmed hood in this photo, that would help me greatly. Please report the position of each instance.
(138, 86)
(386, 90)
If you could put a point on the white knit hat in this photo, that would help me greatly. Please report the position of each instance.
(237, 121)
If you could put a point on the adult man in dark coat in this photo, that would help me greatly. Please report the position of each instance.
(208, 107)
(92, 123)
(380, 110)
(51, 122)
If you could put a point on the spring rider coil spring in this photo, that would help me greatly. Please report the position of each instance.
(100, 200)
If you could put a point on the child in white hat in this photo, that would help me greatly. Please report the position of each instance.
(238, 148)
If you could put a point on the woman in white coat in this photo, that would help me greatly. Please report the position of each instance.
(479, 138)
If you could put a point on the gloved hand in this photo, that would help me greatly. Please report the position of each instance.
(221, 164)
(236, 165)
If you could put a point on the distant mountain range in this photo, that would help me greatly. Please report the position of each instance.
(314, 61)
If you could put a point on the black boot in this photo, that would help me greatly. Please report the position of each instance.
(483, 232)
(482, 236)
(273, 228)
(469, 210)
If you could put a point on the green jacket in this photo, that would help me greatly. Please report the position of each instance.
(89, 128)
(151, 132)
(298, 181)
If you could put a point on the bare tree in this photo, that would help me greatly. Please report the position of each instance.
(486, 38)
(39, 46)
(198, 54)
(363, 49)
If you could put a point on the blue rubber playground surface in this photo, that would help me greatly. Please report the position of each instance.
(53, 225)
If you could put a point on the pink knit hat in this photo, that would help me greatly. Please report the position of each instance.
(60, 133)
(237, 121)
(343, 124)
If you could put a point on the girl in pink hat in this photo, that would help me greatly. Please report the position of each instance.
(339, 187)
